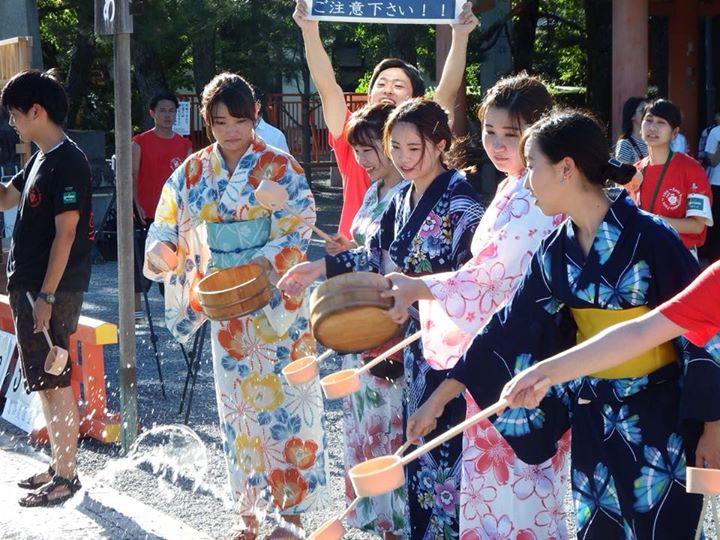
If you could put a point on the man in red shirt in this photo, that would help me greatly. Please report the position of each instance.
(156, 153)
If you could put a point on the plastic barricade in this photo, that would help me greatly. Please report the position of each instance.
(87, 379)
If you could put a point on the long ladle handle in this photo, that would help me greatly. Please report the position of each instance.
(326, 354)
(356, 500)
(450, 433)
(392, 350)
(320, 233)
(496, 407)
(45, 332)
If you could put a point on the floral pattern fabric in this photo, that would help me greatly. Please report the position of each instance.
(373, 416)
(498, 489)
(433, 236)
(632, 437)
(272, 432)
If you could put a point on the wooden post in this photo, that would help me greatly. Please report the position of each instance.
(683, 66)
(112, 17)
(629, 55)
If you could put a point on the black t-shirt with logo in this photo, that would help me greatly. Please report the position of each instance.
(51, 184)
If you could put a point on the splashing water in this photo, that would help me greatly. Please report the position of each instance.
(178, 459)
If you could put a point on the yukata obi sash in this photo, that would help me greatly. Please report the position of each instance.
(237, 242)
(591, 321)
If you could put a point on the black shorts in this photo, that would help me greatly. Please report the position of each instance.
(33, 348)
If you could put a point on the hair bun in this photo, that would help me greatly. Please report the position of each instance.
(618, 172)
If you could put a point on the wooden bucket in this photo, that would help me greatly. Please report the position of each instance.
(348, 315)
(233, 292)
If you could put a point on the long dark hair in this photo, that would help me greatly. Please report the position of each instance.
(578, 135)
(429, 118)
(628, 111)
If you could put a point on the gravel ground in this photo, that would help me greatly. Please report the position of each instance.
(199, 508)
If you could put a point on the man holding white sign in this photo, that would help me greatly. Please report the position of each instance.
(392, 81)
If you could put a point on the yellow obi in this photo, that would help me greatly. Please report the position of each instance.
(591, 321)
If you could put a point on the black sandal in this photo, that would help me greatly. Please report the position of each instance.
(41, 497)
(33, 483)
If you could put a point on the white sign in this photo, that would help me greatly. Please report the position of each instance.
(7, 349)
(21, 409)
(387, 11)
(182, 119)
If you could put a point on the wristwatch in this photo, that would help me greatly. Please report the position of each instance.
(47, 296)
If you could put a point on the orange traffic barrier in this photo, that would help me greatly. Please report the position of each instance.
(87, 376)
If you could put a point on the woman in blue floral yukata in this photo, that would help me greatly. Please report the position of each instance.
(634, 426)
(427, 228)
(272, 432)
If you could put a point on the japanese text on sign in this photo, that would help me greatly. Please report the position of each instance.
(387, 11)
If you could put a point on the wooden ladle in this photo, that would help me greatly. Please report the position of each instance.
(333, 529)
(347, 381)
(383, 474)
(273, 196)
(304, 369)
(57, 357)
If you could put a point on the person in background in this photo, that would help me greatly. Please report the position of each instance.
(392, 81)
(674, 186)
(50, 261)
(711, 150)
(267, 132)
(156, 153)
(630, 148)
(702, 153)
(679, 144)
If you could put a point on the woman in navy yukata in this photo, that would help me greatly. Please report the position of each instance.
(634, 426)
(426, 228)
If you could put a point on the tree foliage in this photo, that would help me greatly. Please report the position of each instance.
(181, 44)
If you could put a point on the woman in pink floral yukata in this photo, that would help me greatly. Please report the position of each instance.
(500, 495)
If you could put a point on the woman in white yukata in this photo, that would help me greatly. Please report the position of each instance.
(500, 494)
(272, 432)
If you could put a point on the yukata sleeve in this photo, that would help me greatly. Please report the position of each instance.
(165, 226)
(367, 258)
(533, 325)
(289, 236)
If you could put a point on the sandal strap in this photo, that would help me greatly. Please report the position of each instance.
(73, 484)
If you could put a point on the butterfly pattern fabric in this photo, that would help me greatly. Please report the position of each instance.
(631, 437)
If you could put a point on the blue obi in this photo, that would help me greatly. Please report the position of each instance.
(234, 243)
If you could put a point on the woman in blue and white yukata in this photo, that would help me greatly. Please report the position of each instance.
(272, 432)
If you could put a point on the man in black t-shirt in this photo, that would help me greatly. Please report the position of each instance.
(50, 261)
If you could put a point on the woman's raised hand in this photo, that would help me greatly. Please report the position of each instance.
(467, 21)
(299, 277)
(527, 389)
(339, 245)
(300, 16)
